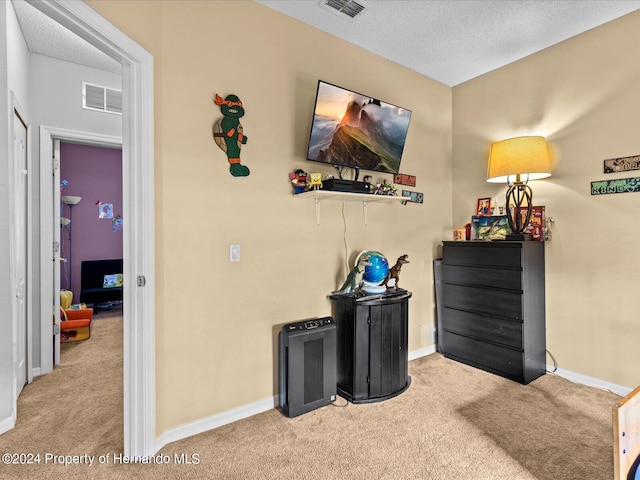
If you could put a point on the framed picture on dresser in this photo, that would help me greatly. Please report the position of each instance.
(483, 207)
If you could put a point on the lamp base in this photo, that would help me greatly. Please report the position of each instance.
(519, 237)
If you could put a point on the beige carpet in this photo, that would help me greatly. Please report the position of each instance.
(454, 422)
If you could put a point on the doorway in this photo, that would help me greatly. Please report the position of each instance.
(138, 208)
(91, 220)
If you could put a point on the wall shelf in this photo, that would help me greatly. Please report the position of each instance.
(365, 198)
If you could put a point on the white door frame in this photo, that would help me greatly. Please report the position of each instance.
(138, 214)
(50, 356)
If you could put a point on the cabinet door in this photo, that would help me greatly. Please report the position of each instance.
(387, 349)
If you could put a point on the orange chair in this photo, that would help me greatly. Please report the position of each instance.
(75, 323)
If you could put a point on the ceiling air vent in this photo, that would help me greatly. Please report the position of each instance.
(348, 7)
(101, 99)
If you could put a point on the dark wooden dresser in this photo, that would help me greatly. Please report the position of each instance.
(493, 307)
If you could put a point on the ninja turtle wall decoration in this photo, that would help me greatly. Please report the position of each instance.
(228, 132)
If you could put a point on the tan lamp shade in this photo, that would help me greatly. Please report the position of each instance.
(519, 156)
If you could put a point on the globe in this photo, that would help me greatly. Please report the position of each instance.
(375, 273)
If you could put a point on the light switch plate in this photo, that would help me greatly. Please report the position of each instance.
(234, 253)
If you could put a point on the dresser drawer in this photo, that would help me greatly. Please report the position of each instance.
(496, 359)
(493, 301)
(485, 328)
(488, 277)
(480, 254)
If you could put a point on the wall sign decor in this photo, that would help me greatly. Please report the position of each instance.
(402, 179)
(415, 197)
(621, 185)
(229, 134)
(622, 164)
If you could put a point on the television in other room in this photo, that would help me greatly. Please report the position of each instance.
(353, 130)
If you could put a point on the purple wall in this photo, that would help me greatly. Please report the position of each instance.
(95, 174)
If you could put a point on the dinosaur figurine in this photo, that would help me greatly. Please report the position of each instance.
(354, 279)
(394, 272)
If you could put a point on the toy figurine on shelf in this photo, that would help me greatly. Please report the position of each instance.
(316, 181)
(299, 180)
(385, 188)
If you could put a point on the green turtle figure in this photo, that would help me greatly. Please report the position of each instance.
(228, 132)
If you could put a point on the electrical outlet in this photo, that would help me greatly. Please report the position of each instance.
(234, 253)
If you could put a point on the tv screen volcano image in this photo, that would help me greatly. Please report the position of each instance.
(357, 131)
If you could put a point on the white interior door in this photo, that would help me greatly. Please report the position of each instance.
(56, 251)
(19, 251)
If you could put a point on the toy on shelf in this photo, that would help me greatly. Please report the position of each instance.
(299, 180)
(385, 188)
(316, 181)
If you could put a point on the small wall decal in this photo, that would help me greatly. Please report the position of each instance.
(621, 185)
(229, 134)
(622, 164)
(415, 197)
(116, 224)
(402, 179)
(105, 210)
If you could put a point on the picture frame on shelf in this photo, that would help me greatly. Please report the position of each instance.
(483, 207)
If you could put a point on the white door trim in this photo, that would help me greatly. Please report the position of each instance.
(47, 135)
(138, 212)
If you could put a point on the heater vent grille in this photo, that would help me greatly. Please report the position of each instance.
(348, 7)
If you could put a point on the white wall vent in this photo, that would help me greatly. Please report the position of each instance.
(101, 99)
(347, 7)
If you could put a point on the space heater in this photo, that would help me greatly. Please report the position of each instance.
(308, 378)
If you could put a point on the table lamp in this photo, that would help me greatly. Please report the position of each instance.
(516, 161)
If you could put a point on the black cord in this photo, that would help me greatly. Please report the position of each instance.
(555, 363)
(346, 402)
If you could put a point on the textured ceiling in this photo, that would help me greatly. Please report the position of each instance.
(47, 37)
(450, 41)
(453, 41)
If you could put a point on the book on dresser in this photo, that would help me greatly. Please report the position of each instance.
(493, 307)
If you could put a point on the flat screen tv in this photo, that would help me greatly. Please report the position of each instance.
(353, 130)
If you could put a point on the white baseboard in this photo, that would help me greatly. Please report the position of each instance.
(590, 381)
(422, 352)
(230, 416)
(35, 372)
(7, 424)
(215, 421)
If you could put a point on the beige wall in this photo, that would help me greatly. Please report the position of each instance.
(584, 96)
(216, 321)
